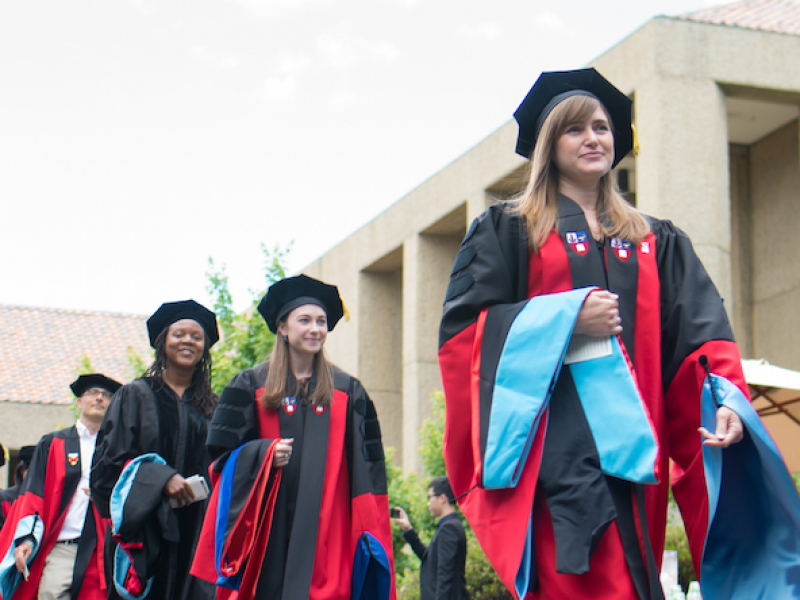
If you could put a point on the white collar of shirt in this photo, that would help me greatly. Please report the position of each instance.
(83, 431)
(76, 513)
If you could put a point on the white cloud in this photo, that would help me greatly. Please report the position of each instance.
(550, 20)
(487, 31)
(268, 6)
(346, 52)
(281, 84)
(278, 88)
(223, 61)
(342, 100)
(140, 5)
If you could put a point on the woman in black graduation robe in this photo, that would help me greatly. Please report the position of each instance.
(165, 412)
(325, 456)
(553, 517)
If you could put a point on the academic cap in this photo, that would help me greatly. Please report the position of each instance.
(170, 312)
(85, 382)
(25, 455)
(554, 86)
(287, 294)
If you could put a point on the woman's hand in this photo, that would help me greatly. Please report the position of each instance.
(402, 521)
(729, 429)
(599, 316)
(179, 489)
(283, 452)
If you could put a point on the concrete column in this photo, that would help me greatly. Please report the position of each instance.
(476, 204)
(427, 261)
(775, 185)
(742, 250)
(380, 355)
(682, 169)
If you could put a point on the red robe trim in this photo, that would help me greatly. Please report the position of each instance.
(663, 332)
(48, 507)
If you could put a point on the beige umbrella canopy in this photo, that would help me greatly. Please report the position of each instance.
(775, 394)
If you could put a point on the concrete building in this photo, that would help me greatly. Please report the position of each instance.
(41, 352)
(716, 96)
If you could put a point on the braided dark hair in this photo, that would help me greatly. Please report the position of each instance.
(203, 396)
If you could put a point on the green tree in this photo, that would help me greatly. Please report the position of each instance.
(676, 539)
(84, 368)
(137, 364)
(245, 340)
(410, 492)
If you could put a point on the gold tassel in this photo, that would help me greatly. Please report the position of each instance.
(635, 148)
(345, 310)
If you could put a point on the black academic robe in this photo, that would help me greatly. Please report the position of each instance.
(594, 536)
(331, 493)
(143, 418)
(7, 498)
(441, 574)
(49, 486)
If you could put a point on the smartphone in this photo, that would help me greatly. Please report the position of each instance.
(395, 513)
(199, 488)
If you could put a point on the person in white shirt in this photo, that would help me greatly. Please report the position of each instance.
(58, 541)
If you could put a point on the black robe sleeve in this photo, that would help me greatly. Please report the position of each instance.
(130, 428)
(692, 310)
(236, 420)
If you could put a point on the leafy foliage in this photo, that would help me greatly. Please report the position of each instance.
(245, 340)
(676, 539)
(137, 365)
(432, 437)
(410, 492)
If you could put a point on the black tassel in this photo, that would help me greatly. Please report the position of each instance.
(704, 362)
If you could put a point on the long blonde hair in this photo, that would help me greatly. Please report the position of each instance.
(281, 380)
(538, 203)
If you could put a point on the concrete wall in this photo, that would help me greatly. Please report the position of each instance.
(380, 348)
(742, 249)
(680, 73)
(23, 424)
(775, 189)
(393, 273)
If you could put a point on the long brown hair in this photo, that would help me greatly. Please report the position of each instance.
(281, 381)
(538, 203)
(203, 396)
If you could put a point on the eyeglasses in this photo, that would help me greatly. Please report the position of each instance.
(105, 394)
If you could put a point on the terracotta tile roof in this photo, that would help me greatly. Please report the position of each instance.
(781, 16)
(41, 349)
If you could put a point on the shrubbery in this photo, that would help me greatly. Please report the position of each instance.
(410, 492)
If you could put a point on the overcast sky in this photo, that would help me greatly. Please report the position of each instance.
(138, 138)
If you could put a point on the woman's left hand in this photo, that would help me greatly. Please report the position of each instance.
(283, 452)
(178, 489)
(729, 429)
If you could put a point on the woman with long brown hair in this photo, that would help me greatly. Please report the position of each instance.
(573, 346)
(300, 447)
(165, 412)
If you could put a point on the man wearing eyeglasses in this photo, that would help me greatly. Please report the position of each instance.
(442, 569)
(58, 540)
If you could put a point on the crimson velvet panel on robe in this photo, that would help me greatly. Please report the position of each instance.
(670, 312)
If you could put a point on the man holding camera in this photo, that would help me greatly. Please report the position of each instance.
(442, 568)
